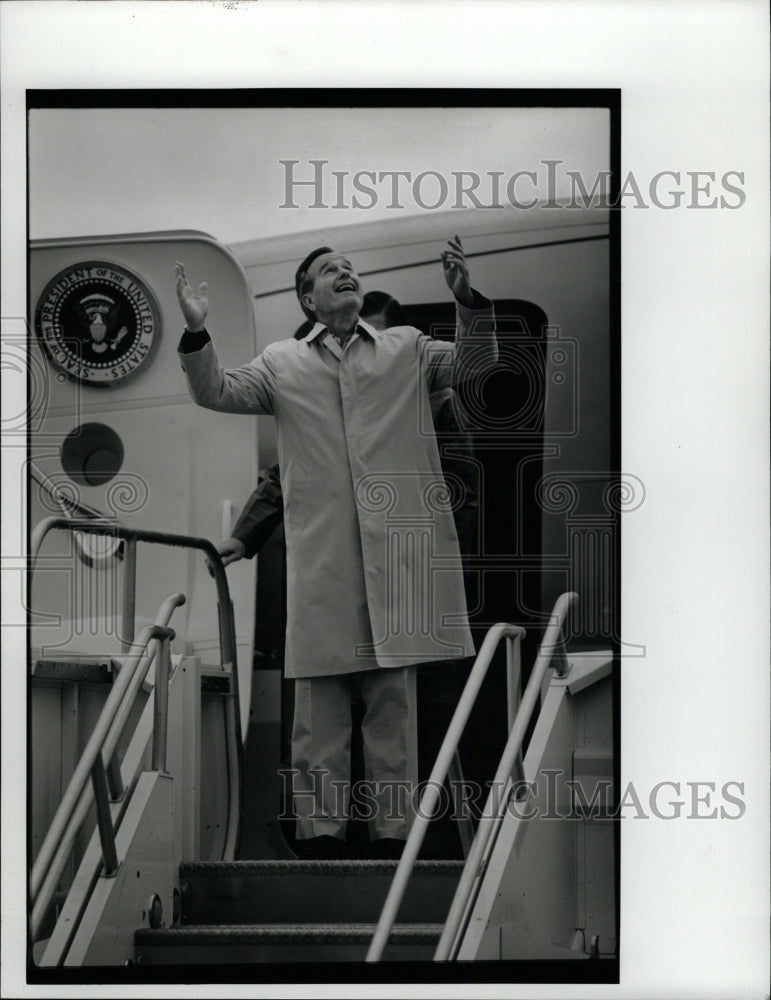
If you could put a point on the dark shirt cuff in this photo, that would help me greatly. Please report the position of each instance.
(192, 341)
(480, 301)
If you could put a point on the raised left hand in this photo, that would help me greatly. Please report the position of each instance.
(194, 307)
(456, 274)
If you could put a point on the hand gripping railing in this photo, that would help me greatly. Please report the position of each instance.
(75, 803)
(226, 628)
(430, 797)
(552, 648)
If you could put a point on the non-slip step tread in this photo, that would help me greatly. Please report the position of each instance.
(279, 868)
(314, 892)
(280, 933)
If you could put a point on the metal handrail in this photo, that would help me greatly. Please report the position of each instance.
(430, 797)
(552, 648)
(226, 629)
(72, 508)
(101, 745)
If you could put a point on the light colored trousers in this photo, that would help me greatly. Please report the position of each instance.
(321, 752)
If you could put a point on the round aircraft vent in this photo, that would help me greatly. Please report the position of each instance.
(92, 454)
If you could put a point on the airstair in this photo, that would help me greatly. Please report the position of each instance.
(538, 880)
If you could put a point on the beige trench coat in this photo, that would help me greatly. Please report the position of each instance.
(374, 577)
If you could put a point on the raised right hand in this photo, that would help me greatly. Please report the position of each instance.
(194, 307)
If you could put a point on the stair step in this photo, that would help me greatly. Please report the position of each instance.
(278, 892)
(311, 942)
(74, 667)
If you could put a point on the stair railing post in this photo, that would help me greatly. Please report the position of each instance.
(514, 692)
(104, 817)
(115, 779)
(128, 614)
(560, 658)
(462, 809)
(161, 712)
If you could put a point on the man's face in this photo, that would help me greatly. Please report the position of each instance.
(335, 286)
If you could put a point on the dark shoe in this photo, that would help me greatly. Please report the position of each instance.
(385, 849)
(323, 848)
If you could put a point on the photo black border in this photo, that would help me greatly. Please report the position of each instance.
(605, 971)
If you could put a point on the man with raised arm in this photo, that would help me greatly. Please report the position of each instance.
(374, 577)
(264, 510)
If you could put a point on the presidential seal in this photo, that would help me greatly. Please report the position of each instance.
(98, 323)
